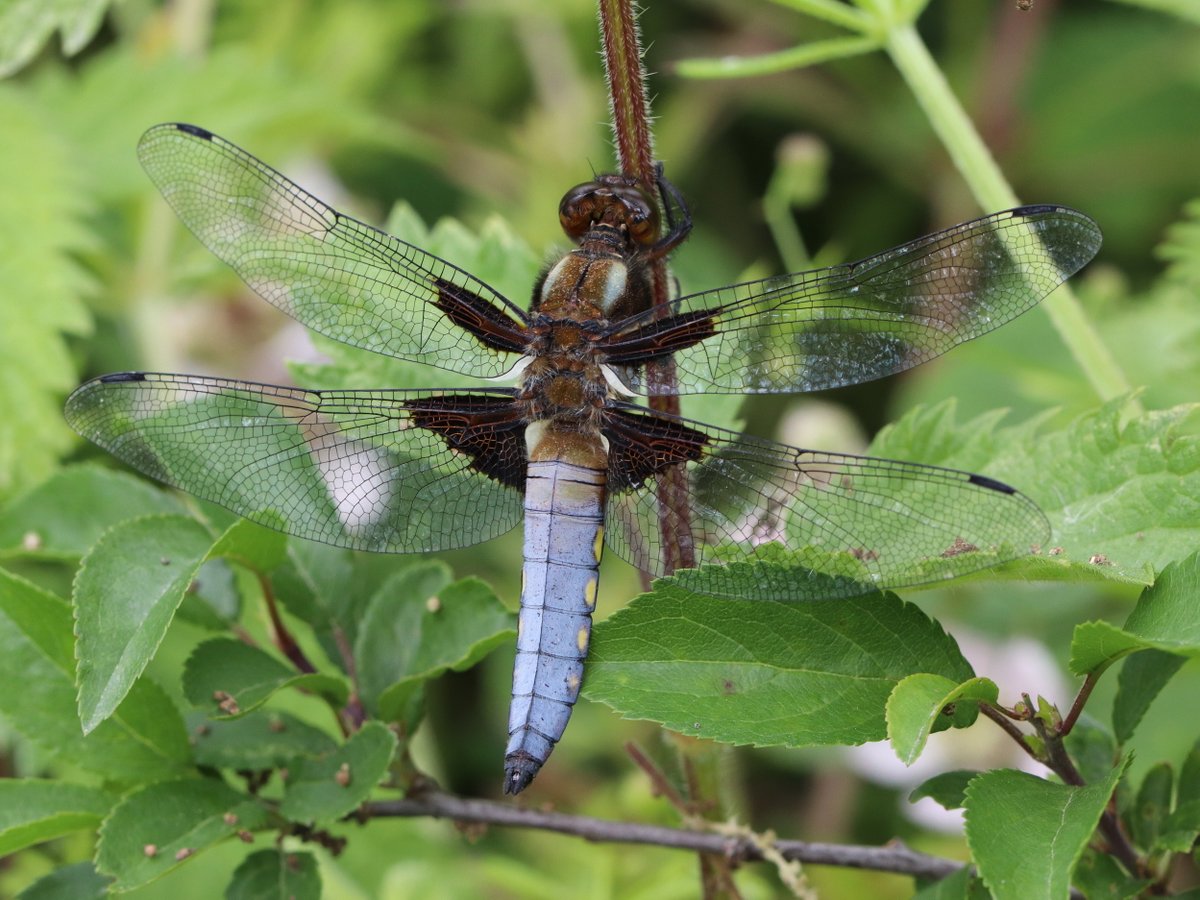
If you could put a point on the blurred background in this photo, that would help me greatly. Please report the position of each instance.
(484, 113)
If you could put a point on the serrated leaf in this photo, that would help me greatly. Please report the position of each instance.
(1026, 834)
(43, 281)
(33, 810)
(917, 704)
(1140, 680)
(230, 678)
(1181, 248)
(763, 672)
(78, 882)
(1167, 617)
(66, 514)
(495, 255)
(405, 641)
(1120, 491)
(327, 788)
(276, 875)
(947, 789)
(26, 25)
(125, 595)
(144, 739)
(258, 741)
(163, 825)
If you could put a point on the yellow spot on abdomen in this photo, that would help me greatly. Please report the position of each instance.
(598, 546)
(589, 593)
(572, 681)
(581, 639)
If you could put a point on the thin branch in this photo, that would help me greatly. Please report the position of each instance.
(1085, 691)
(894, 857)
(283, 638)
(999, 717)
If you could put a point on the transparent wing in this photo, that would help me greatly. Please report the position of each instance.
(353, 468)
(857, 322)
(338, 276)
(858, 520)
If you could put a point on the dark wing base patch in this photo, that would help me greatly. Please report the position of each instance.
(490, 431)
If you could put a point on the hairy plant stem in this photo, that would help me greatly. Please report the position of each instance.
(635, 155)
(992, 191)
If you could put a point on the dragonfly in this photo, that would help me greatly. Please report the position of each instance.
(565, 448)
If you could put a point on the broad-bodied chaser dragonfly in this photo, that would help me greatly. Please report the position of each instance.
(409, 471)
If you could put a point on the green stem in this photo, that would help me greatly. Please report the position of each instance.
(992, 191)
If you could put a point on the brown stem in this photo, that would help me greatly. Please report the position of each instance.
(1085, 691)
(659, 785)
(635, 155)
(283, 638)
(1061, 764)
(353, 713)
(894, 857)
(1002, 719)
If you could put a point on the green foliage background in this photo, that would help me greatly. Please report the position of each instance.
(486, 112)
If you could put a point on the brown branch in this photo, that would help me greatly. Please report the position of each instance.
(635, 156)
(283, 638)
(1085, 691)
(998, 716)
(894, 857)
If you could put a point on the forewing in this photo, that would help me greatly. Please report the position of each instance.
(342, 278)
(369, 470)
(857, 322)
(864, 523)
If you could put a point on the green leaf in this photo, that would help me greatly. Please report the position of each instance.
(78, 882)
(253, 546)
(409, 635)
(33, 810)
(918, 703)
(162, 825)
(1177, 832)
(125, 595)
(1027, 834)
(144, 739)
(67, 513)
(42, 276)
(1119, 490)
(1167, 617)
(948, 788)
(1152, 806)
(1182, 245)
(276, 875)
(952, 887)
(26, 25)
(1140, 680)
(1093, 748)
(228, 677)
(764, 672)
(260, 740)
(327, 788)
(495, 254)
(1099, 875)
